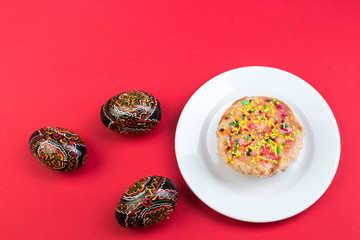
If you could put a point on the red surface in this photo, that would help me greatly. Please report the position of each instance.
(61, 60)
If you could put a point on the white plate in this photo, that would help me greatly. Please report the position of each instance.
(244, 197)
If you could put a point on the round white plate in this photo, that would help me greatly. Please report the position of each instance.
(244, 197)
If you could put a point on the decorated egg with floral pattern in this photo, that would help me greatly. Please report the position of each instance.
(147, 202)
(58, 149)
(132, 112)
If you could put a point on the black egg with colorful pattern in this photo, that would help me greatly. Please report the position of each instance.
(58, 149)
(132, 112)
(147, 202)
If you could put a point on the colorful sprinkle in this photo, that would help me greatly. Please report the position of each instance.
(236, 145)
(259, 146)
(245, 102)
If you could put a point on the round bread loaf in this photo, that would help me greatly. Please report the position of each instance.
(259, 136)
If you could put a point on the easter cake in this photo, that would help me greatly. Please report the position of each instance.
(259, 136)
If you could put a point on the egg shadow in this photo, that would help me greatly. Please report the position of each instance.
(92, 162)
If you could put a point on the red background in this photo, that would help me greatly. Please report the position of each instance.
(61, 60)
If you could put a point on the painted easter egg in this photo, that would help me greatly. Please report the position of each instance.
(58, 149)
(147, 202)
(131, 112)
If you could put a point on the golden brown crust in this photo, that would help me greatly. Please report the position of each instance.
(259, 136)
